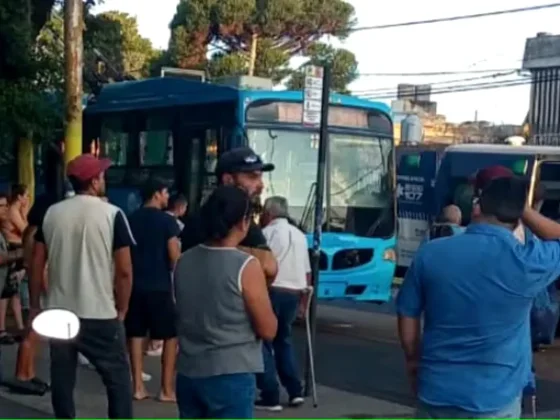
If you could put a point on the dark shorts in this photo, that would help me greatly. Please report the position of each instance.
(151, 314)
(11, 287)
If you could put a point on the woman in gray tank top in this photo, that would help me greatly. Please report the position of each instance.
(223, 312)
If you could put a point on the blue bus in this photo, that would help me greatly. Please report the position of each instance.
(176, 129)
(417, 167)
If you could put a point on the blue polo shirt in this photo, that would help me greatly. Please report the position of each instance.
(475, 293)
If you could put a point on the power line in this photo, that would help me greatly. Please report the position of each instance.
(456, 18)
(442, 82)
(438, 73)
(462, 88)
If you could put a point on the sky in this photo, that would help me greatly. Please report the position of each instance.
(480, 44)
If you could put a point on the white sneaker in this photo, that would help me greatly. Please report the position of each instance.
(297, 401)
(259, 405)
(155, 352)
(146, 377)
(83, 361)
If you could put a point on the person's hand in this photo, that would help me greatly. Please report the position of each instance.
(121, 315)
(302, 307)
(301, 312)
(32, 313)
(412, 373)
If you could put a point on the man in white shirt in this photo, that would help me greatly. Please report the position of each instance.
(287, 293)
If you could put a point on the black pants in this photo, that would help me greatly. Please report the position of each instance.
(103, 343)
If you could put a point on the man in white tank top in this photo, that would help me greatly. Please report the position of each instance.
(287, 293)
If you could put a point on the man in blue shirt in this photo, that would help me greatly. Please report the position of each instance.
(474, 292)
(152, 307)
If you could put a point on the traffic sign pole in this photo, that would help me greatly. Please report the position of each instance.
(314, 114)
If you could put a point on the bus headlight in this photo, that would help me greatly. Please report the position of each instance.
(390, 255)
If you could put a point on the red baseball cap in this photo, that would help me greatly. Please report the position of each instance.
(483, 177)
(86, 167)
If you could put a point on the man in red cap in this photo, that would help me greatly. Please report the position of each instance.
(88, 242)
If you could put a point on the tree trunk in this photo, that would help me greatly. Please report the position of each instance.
(74, 61)
(253, 57)
(26, 165)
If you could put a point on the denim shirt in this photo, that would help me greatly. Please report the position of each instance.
(475, 292)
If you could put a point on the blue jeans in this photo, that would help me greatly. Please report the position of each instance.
(278, 355)
(216, 397)
(425, 411)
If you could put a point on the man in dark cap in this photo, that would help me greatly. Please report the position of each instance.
(89, 273)
(241, 167)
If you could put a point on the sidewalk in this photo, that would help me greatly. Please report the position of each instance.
(91, 400)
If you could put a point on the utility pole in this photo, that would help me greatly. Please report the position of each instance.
(74, 62)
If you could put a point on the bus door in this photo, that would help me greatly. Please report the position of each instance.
(196, 155)
(202, 134)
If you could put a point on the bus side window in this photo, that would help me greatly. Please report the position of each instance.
(156, 142)
(114, 140)
(213, 141)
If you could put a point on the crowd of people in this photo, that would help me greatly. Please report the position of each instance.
(214, 293)
(464, 306)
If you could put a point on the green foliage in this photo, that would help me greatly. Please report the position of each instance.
(283, 28)
(343, 64)
(32, 61)
(25, 111)
(114, 37)
(25, 72)
(49, 53)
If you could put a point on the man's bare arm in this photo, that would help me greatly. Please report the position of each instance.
(123, 280)
(410, 335)
(11, 256)
(540, 225)
(36, 275)
(267, 260)
(28, 244)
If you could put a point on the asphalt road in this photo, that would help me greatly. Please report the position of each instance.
(370, 365)
(13, 410)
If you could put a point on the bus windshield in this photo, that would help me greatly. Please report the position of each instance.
(360, 185)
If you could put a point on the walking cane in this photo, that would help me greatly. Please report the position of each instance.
(310, 354)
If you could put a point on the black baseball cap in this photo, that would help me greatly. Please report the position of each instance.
(242, 159)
